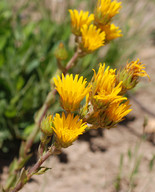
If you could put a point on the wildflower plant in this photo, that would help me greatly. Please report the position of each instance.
(85, 105)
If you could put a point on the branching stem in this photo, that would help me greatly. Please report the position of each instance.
(34, 169)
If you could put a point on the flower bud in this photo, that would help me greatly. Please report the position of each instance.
(130, 75)
(127, 81)
(46, 125)
(61, 52)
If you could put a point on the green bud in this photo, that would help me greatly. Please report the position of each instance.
(45, 139)
(46, 125)
(61, 52)
(128, 82)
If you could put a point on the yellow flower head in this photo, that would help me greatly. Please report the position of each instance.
(136, 69)
(67, 129)
(111, 31)
(116, 113)
(79, 19)
(92, 38)
(104, 89)
(102, 79)
(109, 117)
(106, 97)
(72, 91)
(105, 10)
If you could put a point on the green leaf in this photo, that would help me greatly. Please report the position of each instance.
(21, 150)
(32, 65)
(10, 111)
(13, 166)
(24, 160)
(42, 170)
(20, 83)
(23, 176)
(3, 40)
(29, 29)
(10, 181)
(1, 60)
(28, 129)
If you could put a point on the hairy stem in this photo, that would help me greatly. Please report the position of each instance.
(34, 169)
(70, 64)
(41, 114)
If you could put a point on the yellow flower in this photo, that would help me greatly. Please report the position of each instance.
(136, 69)
(109, 117)
(72, 91)
(106, 97)
(79, 19)
(67, 129)
(92, 38)
(102, 79)
(116, 113)
(111, 31)
(104, 88)
(105, 10)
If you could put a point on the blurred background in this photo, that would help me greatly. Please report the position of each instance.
(120, 159)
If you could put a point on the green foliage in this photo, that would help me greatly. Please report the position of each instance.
(26, 65)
